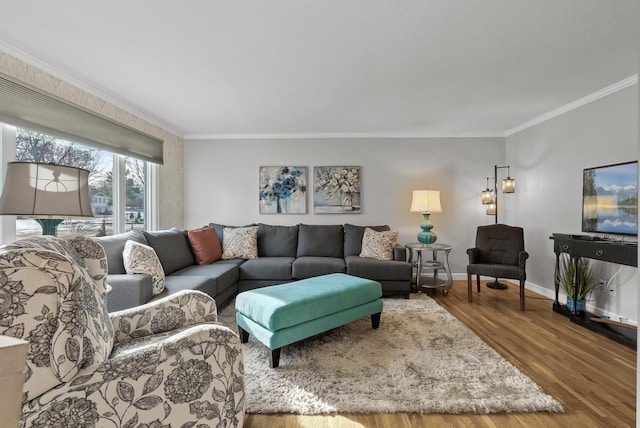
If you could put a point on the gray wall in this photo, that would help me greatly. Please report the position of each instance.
(221, 182)
(547, 160)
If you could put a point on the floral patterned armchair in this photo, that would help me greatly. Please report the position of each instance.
(164, 364)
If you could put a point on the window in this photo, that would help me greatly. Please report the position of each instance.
(117, 185)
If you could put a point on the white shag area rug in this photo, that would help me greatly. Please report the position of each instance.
(420, 360)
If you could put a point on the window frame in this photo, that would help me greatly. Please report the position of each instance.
(8, 154)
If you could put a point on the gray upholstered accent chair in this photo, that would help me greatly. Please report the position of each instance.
(499, 252)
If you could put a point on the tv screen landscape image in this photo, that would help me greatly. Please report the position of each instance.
(610, 199)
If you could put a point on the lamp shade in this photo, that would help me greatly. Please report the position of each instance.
(508, 185)
(426, 201)
(42, 190)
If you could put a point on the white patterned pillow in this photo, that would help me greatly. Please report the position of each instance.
(240, 242)
(378, 245)
(140, 258)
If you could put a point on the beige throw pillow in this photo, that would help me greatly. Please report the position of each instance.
(140, 258)
(240, 242)
(378, 245)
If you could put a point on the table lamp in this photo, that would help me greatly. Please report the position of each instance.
(426, 202)
(47, 192)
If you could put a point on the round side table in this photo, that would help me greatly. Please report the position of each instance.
(434, 264)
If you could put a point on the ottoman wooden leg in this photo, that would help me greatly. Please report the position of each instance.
(274, 358)
(375, 320)
(244, 335)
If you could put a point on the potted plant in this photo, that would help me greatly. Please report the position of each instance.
(583, 272)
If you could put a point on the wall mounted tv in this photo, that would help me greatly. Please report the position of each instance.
(610, 199)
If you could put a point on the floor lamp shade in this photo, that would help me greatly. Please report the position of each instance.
(45, 191)
(426, 202)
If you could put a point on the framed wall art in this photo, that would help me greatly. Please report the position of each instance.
(336, 190)
(283, 190)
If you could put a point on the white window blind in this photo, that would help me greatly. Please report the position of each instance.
(29, 108)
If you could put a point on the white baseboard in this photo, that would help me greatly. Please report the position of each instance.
(562, 297)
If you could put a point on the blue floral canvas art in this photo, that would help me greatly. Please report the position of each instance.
(283, 190)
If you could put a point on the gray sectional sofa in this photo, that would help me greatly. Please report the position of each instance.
(285, 254)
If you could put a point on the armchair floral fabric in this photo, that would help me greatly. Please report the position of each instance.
(164, 364)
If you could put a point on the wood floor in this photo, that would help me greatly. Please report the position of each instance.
(594, 378)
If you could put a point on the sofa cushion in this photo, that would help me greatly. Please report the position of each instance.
(240, 242)
(353, 237)
(320, 240)
(307, 267)
(171, 248)
(378, 270)
(277, 241)
(140, 258)
(378, 245)
(177, 283)
(114, 246)
(224, 274)
(205, 245)
(278, 268)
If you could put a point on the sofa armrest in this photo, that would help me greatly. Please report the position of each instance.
(400, 253)
(128, 290)
(184, 308)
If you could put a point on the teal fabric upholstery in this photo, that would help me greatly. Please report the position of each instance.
(289, 335)
(287, 305)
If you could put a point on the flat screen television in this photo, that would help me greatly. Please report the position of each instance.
(610, 199)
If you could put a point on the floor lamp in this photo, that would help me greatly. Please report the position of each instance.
(490, 198)
(48, 193)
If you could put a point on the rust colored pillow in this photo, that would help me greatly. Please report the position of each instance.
(205, 244)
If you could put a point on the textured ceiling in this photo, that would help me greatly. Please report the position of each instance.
(333, 67)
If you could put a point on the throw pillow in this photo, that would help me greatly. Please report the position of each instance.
(378, 245)
(205, 244)
(240, 243)
(140, 258)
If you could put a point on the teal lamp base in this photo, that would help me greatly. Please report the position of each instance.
(427, 236)
(49, 225)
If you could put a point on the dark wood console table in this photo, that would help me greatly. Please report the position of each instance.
(583, 246)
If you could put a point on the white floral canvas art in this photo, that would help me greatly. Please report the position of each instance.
(336, 190)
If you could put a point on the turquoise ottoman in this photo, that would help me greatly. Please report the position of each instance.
(283, 314)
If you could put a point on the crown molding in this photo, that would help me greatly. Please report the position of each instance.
(87, 87)
(611, 89)
(337, 135)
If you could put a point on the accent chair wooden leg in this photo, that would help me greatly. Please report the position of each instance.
(478, 282)
(469, 288)
(522, 295)
(274, 358)
(244, 335)
(375, 320)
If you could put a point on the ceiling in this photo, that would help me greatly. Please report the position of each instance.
(255, 68)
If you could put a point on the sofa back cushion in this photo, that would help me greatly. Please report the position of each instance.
(277, 241)
(320, 240)
(114, 245)
(171, 248)
(353, 237)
